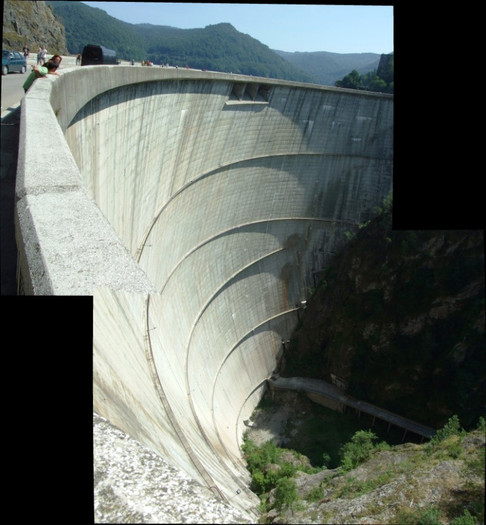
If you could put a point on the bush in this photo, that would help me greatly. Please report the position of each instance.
(426, 516)
(315, 494)
(465, 519)
(258, 482)
(258, 457)
(358, 449)
(263, 478)
(326, 460)
(482, 424)
(451, 428)
(441, 440)
(285, 492)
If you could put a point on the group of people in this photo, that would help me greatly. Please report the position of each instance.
(41, 70)
(41, 54)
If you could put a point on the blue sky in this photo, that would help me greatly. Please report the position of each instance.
(286, 27)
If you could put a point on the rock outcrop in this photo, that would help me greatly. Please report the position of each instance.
(33, 24)
(398, 318)
(395, 485)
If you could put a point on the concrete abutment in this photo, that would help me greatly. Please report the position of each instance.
(196, 208)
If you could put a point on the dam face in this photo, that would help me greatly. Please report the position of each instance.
(198, 209)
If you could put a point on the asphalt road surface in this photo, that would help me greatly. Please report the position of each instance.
(12, 91)
(8, 168)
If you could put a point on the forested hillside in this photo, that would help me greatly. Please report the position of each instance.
(217, 47)
(90, 25)
(381, 79)
(328, 67)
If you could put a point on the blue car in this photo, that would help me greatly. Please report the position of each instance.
(13, 61)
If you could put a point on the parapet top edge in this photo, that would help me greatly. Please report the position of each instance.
(138, 74)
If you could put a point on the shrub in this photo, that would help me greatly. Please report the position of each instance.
(466, 519)
(315, 494)
(451, 428)
(426, 516)
(358, 449)
(263, 477)
(258, 457)
(442, 438)
(285, 492)
(258, 482)
(326, 460)
(482, 424)
(287, 469)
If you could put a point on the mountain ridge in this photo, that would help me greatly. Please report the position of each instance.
(328, 67)
(218, 47)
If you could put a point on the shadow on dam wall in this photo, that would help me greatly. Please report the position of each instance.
(196, 208)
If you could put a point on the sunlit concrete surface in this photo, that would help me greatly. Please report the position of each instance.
(133, 484)
(198, 209)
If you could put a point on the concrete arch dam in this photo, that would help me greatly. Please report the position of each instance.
(196, 208)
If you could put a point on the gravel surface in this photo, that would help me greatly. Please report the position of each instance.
(132, 484)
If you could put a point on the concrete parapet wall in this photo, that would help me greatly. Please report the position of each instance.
(196, 208)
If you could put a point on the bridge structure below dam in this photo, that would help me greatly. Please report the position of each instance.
(335, 398)
(195, 208)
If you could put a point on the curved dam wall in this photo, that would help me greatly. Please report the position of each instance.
(197, 208)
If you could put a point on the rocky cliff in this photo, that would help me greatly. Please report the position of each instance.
(436, 482)
(34, 24)
(398, 317)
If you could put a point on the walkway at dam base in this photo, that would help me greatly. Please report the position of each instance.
(195, 209)
(335, 398)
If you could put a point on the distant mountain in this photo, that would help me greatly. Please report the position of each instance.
(90, 25)
(217, 47)
(328, 67)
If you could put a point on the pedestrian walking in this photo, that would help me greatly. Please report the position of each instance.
(43, 55)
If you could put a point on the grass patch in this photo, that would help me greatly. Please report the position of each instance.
(354, 488)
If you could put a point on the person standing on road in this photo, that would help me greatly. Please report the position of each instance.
(43, 55)
(26, 51)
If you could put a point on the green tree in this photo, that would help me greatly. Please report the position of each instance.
(351, 81)
(358, 449)
(377, 84)
(451, 428)
(285, 492)
(380, 80)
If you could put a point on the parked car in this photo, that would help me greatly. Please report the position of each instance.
(13, 61)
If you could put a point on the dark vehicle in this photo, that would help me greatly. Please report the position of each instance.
(13, 61)
(98, 55)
